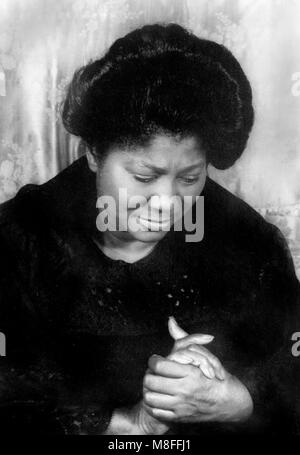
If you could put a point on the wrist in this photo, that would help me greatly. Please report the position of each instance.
(123, 422)
(134, 421)
(145, 423)
(239, 400)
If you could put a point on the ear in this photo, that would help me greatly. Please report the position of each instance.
(92, 162)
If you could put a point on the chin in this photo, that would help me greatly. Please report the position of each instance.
(148, 236)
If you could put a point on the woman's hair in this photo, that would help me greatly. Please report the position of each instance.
(162, 79)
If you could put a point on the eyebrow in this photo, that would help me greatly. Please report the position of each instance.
(162, 170)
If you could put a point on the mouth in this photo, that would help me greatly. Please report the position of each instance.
(154, 224)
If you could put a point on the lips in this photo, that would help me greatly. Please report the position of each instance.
(156, 224)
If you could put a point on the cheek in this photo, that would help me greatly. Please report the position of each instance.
(105, 186)
(123, 188)
(201, 183)
(193, 190)
(109, 181)
(188, 194)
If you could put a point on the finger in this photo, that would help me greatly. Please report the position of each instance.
(161, 414)
(215, 362)
(160, 384)
(196, 338)
(185, 356)
(145, 389)
(159, 400)
(197, 359)
(164, 367)
(175, 331)
(218, 367)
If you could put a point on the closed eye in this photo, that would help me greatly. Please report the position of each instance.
(190, 180)
(144, 179)
(187, 180)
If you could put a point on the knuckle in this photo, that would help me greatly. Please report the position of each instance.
(207, 353)
(191, 369)
(147, 381)
(177, 345)
(151, 361)
(199, 349)
(147, 397)
(177, 414)
(196, 347)
(204, 351)
(155, 366)
(154, 363)
(212, 356)
(218, 363)
(150, 411)
(204, 360)
(181, 396)
(195, 374)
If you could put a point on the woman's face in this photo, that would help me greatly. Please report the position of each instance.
(164, 171)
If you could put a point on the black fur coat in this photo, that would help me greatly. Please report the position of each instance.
(80, 327)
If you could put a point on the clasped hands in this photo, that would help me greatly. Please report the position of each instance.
(190, 385)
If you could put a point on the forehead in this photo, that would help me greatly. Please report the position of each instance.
(163, 151)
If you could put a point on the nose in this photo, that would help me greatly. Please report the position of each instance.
(162, 198)
(160, 204)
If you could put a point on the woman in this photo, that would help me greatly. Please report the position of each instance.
(90, 275)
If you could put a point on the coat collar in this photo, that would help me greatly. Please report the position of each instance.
(70, 197)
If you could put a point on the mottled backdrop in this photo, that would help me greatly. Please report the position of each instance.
(43, 41)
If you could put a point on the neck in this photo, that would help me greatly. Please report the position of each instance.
(119, 248)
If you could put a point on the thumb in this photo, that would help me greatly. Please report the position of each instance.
(175, 331)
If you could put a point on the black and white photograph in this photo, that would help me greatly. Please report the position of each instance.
(150, 220)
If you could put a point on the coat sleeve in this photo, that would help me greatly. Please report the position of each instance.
(274, 380)
(34, 395)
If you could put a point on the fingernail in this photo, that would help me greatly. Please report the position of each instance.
(171, 318)
(221, 375)
(206, 337)
(212, 372)
(206, 372)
